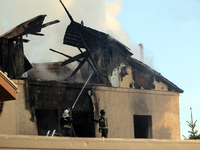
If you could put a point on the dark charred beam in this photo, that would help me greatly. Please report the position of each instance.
(19, 57)
(11, 70)
(86, 47)
(37, 28)
(75, 58)
(23, 28)
(36, 33)
(26, 40)
(89, 54)
(27, 64)
(72, 36)
(3, 53)
(13, 66)
(87, 59)
(70, 17)
(62, 54)
(33, 30)
(80, 50)
(79, 66)
(49, 23)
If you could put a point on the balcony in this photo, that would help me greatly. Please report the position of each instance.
(8, 90)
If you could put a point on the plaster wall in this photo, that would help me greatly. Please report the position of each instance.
(15, 118)
(126, 80)
(160, 86)
(121, 104)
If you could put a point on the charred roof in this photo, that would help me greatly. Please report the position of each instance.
(32, 26)
(145, 68)
(91, 37)
(12, 58)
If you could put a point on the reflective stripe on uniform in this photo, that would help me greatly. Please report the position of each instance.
(67, 126)
(106, 127)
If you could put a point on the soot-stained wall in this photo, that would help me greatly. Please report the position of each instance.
(121, 104)
(48, 99)
(58, 95)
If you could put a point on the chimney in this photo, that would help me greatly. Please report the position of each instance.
(141, 52)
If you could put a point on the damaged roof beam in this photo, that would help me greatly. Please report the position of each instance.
(38, 28)
(86, 47)
(70, 17)
(49, 23)
(62, 54)
(36, 33)
(72, 59)
(89, 54)
(89, 62)
(79, 66)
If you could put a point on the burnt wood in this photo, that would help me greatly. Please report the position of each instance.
(72, 59)
(79, 66)
(62, 54)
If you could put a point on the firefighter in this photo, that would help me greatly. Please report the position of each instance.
(103, 124)
(66, 123)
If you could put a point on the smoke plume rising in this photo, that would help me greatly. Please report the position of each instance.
(99, 14)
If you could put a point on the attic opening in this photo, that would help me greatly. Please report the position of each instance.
(143, 126)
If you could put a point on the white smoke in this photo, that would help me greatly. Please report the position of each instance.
(99, 14)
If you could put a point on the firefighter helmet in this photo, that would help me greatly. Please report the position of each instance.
(65, 113)
(102, 112)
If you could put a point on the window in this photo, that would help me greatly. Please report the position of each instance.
(143, 126)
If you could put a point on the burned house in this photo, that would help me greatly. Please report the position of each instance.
(139, 102)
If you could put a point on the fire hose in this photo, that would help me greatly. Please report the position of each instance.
(82, 90)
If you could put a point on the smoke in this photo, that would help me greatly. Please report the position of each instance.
(52, 71)
(99, 14)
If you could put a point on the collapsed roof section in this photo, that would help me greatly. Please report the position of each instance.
(12, 58)
(104, 53)
(100, 49)
(77, 33)
(97, 44)
(32, 26)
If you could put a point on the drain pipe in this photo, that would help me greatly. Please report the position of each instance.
(82, 89)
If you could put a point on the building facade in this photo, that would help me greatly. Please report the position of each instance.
(132, 113)
(139, 102)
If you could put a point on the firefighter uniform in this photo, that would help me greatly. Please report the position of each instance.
(66, 123)
(103, 124)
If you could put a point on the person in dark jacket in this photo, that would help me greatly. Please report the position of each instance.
(66, 123)
(103, 124)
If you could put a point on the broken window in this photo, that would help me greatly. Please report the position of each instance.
(143, 126)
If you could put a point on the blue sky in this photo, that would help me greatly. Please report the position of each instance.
(169, 31)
